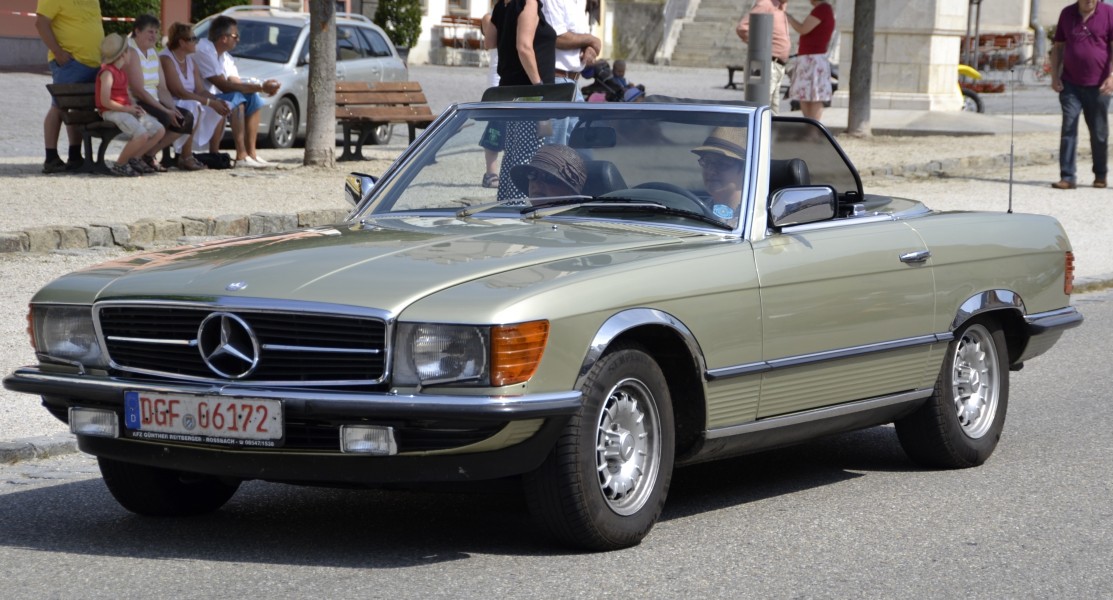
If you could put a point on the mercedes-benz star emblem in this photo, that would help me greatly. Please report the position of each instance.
(228, 345)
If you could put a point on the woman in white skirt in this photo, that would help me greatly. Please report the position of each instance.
(811, 77)
(191, 94)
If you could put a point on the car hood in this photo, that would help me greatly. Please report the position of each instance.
(262, 69)
(384, 264)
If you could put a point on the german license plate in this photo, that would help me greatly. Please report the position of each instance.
(203, 419)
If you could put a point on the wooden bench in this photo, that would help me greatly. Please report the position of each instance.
(79, 109)
(362, 107)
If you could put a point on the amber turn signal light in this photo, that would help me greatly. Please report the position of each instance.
(516, 351)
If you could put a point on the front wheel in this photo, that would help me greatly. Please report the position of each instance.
(156, 492)
(960, 424)
(604, 484)
(284, 124)
(971, 101)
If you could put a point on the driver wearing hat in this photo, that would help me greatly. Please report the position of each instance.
(721, 159)
(554, 170)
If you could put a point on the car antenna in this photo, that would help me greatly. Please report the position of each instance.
(1012, 134)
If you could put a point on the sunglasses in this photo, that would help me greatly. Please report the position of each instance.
(719, 164)
(190, 39)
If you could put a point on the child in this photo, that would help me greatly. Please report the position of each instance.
(115, 105)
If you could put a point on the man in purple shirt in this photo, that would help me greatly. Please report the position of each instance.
(1080, 72)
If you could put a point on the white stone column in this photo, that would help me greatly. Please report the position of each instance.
(916, 53)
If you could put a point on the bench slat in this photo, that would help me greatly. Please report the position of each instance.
(385, 113)
(345, 98)
(381, 86)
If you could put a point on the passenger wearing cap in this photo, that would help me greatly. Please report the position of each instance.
(115, 105)
(554, 170)
(721, 159)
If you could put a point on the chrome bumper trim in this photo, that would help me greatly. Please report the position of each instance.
(33, 380)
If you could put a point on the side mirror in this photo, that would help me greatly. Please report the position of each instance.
(357, 186)
(800, 205)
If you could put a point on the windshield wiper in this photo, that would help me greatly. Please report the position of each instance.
(523, 205)
(624, 203)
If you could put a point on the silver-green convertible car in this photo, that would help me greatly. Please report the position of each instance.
(631, 289)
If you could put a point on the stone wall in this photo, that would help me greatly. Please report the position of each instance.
(637, 29)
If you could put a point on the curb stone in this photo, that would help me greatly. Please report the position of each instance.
(37, 447)
(146, 231)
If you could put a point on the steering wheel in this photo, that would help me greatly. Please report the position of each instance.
(698, 204)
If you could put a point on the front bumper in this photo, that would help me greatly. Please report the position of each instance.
(321, 410)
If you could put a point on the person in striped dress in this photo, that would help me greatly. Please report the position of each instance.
(147, 85)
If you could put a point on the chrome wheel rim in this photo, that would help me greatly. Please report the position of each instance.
(283, 125)
(382, 133)
(975, 381)
(628, 446)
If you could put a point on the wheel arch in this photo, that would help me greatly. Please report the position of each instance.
(675, 349)
(1004, 306)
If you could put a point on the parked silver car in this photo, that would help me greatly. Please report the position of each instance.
(274, 44)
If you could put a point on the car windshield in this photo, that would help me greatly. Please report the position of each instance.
(269, 42)
(631, 162)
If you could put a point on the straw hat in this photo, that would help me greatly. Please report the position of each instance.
(111, 48)
(559, 161)
(728, 141)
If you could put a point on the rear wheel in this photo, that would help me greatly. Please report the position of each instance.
(960, 425)
(156, 492)
(604, 484)
(381, 134)
(284, 124)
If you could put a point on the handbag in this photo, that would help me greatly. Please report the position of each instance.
(214, 160)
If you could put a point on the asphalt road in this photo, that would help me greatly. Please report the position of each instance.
(844, 517)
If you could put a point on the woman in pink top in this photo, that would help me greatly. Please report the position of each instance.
(184, 81)
(811, 78)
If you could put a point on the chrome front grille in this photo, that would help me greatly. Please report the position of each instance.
(288, 347)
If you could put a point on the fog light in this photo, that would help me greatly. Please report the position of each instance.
(368, 439)
(88, 421)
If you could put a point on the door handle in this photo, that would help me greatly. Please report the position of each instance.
(915, 257)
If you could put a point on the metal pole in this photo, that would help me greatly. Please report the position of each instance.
(759, 58)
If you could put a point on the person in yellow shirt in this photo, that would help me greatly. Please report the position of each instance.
(72, 32)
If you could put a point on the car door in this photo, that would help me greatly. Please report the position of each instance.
(847, 313)
(354, 61)
(391, 66)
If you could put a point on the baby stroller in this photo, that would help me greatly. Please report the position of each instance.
(604, 88)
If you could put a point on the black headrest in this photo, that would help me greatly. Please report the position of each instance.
(791, 172)
(602, 177)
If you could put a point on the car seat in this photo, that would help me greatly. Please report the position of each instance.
(602, 177)
(790, 172)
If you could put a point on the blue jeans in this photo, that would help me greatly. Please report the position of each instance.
(562, 127)
(1094, 107)
(72, 72)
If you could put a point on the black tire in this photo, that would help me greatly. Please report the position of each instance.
(960, 424)
(604, 484)
(155, 492)
(283, 130)
(971, 101)
(381, 134)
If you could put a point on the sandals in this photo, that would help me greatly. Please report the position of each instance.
(152, 162)
(490, 180)
(139, 166)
